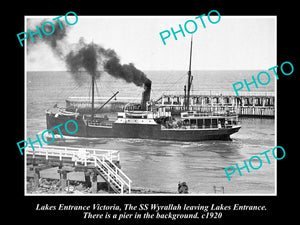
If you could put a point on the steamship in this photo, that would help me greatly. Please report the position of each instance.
(147, 121)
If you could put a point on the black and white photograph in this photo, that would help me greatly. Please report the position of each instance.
(151, 118)
(169, 117)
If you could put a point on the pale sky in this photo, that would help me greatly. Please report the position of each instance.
(236, 42)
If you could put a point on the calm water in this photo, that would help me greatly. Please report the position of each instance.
(160, 165)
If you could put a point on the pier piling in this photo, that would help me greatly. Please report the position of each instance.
(92, 162)
(94, 182)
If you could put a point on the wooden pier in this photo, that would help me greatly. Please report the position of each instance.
(93, 162)
(83, 104)
(257, 104)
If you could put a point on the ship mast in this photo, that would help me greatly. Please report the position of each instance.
(93, 86)
(190, 79)
(93, 95)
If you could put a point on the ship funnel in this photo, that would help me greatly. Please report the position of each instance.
(146, 94)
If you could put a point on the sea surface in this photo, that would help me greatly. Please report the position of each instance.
(160, 165)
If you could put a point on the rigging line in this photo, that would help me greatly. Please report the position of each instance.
(67, 92)
(74, 89)
(101, 86)
(105, 88)
(60, 93)
(108, 88)
(97, 88)
(171, 75)
(90, 88)
(168, 77)
(172, 84)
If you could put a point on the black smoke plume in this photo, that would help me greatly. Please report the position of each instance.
(92, 57)
(54, 40)
(126, 72)
(86, 57)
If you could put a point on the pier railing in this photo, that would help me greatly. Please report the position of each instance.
(89, 99)
(61, 152)
(101, 159)
(113, 174)
(247, 104)
(221, 93)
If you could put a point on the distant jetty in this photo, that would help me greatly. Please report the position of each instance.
(248, 104)
(256, 104)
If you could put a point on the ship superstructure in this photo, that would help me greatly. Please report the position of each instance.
(147, 121)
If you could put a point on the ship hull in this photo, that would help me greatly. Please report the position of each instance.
(84, 130)
(144, 131)
(198, 134)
